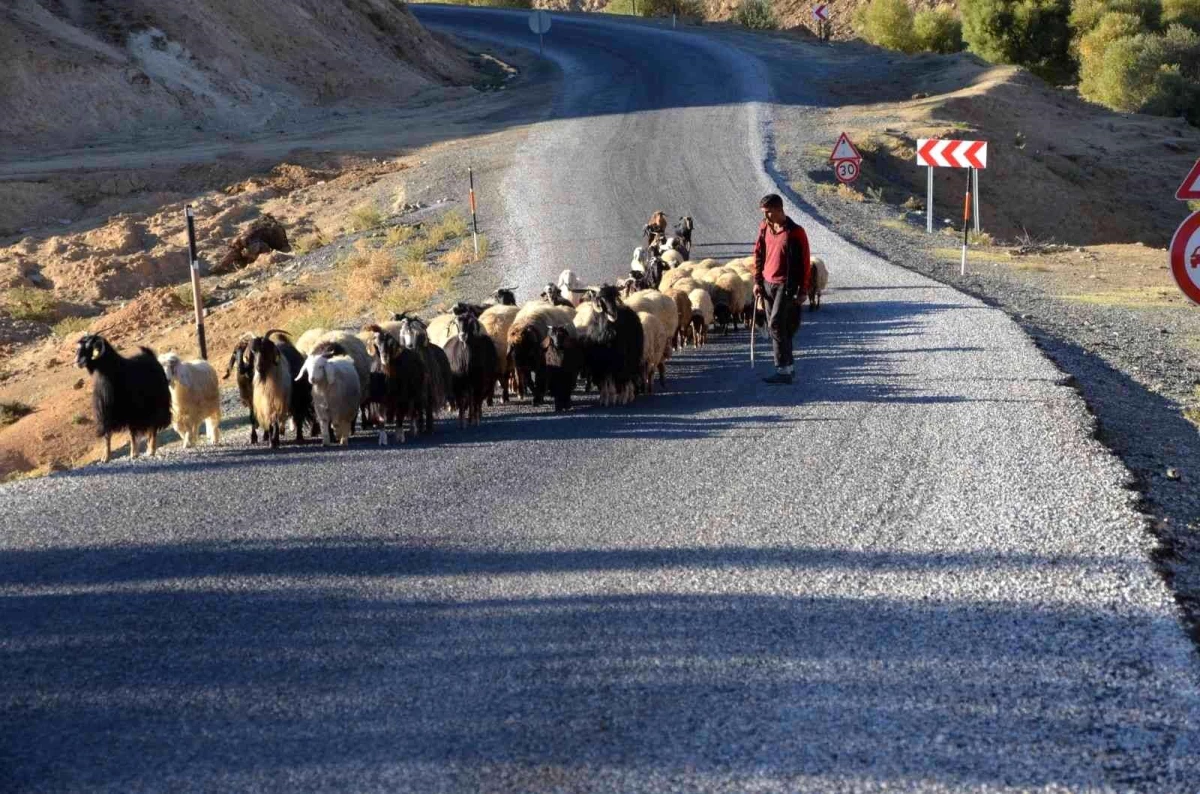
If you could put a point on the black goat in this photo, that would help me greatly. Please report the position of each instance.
(614, 347)
(240, 358)
(505, 296)
(301, 402)
(683, 231)
(127, 393)
(564, 359)
(473, 366)
(462, 307)
(404, 387)
(271, 393)
(415, 336)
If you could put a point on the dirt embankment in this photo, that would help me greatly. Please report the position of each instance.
(81, 70)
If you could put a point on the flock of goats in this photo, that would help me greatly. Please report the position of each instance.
(403, 372)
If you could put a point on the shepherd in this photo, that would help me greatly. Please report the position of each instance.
(782, 267)
(655, 232)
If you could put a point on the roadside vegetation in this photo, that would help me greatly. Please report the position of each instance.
(1135, 56)
(399, 270)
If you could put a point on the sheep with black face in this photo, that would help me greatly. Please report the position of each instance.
(405, 387)
(128, 394)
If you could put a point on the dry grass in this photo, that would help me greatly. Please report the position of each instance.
(365, 216)
(980, 238)
(322, 310)
(365, 272)
(392, 275)
(914, 204)
(71, 326)
(31, 304)
(897, 224)
(10, 412)
(1131, 297)
(847, 193)
(451, 226)
(1192, 413)
(399, 235)
(310, 242)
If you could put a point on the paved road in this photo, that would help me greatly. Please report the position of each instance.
(914, 571)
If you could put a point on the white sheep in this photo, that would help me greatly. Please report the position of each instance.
(819, 279)
(351, 345)
(656, 343)
(440, 329)
(662, 307)
(703, 315)
(571, 287)
(336, 394)
(496, 320)
(195, 398)
(672, 257)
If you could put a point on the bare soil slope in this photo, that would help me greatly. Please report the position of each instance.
(78, 70)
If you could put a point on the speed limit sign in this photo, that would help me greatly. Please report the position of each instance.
(846, 171)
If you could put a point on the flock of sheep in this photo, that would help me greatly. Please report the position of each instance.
(402, 373)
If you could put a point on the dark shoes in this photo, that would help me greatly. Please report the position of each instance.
(779, 377)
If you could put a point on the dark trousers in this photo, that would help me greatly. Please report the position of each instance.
(783, 318)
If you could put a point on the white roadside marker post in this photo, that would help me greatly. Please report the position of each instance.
(962, 271)
(474, 218)
(929, 200)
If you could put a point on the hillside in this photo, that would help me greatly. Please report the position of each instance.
(79, 70)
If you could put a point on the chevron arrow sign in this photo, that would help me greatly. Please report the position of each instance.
(939, 153)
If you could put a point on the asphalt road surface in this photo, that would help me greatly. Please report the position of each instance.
(914, 570)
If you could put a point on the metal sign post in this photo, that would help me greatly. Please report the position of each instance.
(937, 153)
(975, 197)
(962, 271)
(194, 266)
(929, 200)
(539, 23)
(474, 218)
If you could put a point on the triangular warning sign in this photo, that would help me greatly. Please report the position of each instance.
(845, 150)
(1190, 189)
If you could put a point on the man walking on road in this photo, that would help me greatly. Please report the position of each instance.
(781, 271)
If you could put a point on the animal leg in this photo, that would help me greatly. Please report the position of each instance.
(153, 442)
(214, 429)
(107, 448)
(133, 444)
(662, 374)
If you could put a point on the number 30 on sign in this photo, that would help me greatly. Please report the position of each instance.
(845, 170)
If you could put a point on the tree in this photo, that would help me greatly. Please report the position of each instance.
(1030, 33)
(886, 23)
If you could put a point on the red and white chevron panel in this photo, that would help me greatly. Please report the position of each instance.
(951, 154)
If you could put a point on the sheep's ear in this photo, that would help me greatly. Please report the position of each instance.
(546, 343)
(98, 347)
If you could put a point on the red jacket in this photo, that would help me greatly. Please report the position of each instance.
(783, 257)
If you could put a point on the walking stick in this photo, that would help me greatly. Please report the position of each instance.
(753, 322)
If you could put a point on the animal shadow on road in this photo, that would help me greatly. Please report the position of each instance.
(133, 669)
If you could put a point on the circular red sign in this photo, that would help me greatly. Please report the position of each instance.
(1185, 257)
(845, 170)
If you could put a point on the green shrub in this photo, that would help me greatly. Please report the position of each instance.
(30, 303)
(756, 15)
(70, 326)
(12, 411)
(1087, 14)
(1030, 33)
(1112, 27)
(938, 30)
(886, 23)
(685, 9)
(1181, 12)
(1155, 73)
(365, 216)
